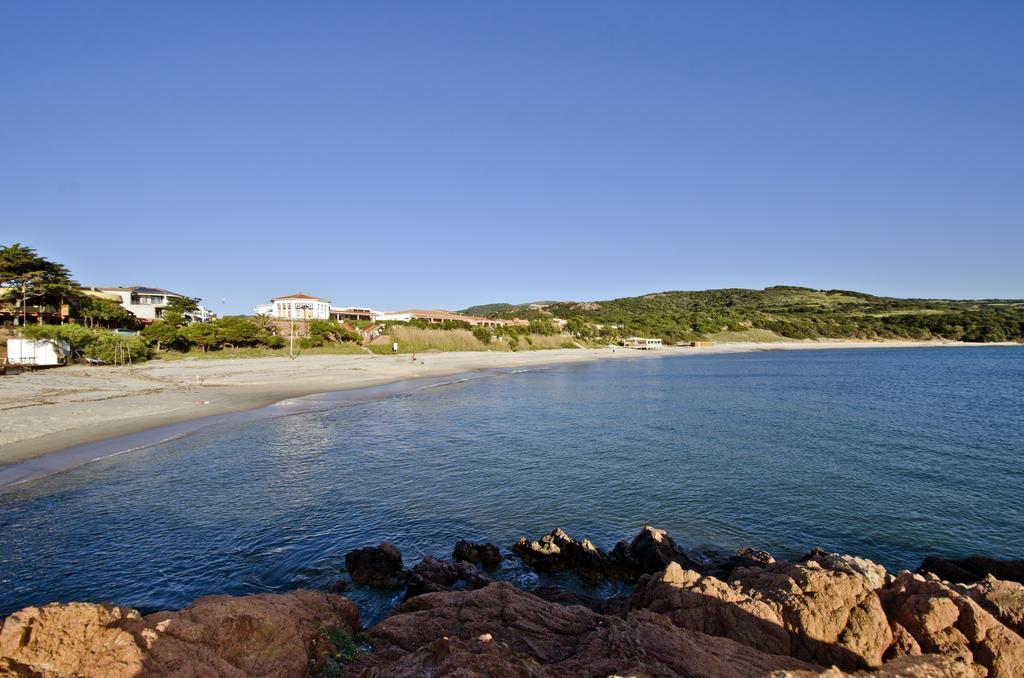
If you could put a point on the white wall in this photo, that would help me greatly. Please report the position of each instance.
(301, 309)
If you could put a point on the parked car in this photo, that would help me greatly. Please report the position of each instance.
(124, 332)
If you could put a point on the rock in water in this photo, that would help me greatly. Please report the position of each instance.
(557, 551)
(376, 566)
(722, 566)
(263, 634)
(485, 554)
(432, 575)
(650, 551)
(654, 549)
(973, 569)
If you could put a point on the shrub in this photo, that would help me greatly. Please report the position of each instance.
(203, 335)
(112, 348)
(236, 331)
(163, 334)
(272, 341)
(93, 343)
(483, 334)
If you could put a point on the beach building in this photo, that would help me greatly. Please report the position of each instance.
(306, 307)
(641, 343)
(37, 352)
(296, 307)
(147, 303)
(353, 313)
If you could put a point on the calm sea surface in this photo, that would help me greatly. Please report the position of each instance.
(890, 454)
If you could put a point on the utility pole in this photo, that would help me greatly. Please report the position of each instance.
(291, 339)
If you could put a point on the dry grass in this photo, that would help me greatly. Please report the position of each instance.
(539, 342)
(415, 339)
(418, 340)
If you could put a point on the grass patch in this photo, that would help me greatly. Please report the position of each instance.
(418, 340)
(260, 352)
(346, 649)
(540, 342)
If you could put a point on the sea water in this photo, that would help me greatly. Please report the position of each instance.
(890, 454)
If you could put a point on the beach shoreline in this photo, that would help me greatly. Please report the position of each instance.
(52, 410)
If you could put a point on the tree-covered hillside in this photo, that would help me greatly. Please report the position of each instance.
(786, 312)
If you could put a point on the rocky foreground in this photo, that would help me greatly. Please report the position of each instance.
(742, 615)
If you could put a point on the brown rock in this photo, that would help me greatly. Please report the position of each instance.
(650, 551)
(707, 605)
(723, 566)
(1003, 599)
(829, 607)
(487, 555)
(927, 666)
(264, 634)
(532, 637)
(72, 639)
(943, 620)
(617, 606)
(903, 643)
(432, 575)
(376, 566)
(822, 610)
(654, 549)
(557, 551)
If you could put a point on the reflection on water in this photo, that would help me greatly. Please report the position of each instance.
(890, 454)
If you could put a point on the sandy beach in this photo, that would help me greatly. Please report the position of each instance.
(49, 410)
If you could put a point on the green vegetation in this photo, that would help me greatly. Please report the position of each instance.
(788, 312)
(98, 312)
(96, 344)
(346, 649)
(457, 336)
(29, 279)
(262, 352)
(238, 336)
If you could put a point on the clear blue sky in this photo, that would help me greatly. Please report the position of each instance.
(443, 154)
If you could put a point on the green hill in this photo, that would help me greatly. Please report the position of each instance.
(784, 312)
(487, 309)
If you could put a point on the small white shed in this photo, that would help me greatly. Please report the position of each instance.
(37, 352)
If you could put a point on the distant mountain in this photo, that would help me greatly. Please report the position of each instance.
(496, 309)
(782, 312)
(487, 309)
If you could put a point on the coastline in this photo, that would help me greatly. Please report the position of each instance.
(53, 410)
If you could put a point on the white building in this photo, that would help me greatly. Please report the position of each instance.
(297, 307)
(148, 303)
(394, 316)
(38, 352)
(642, 343)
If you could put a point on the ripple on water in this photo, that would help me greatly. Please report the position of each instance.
(890, 454)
